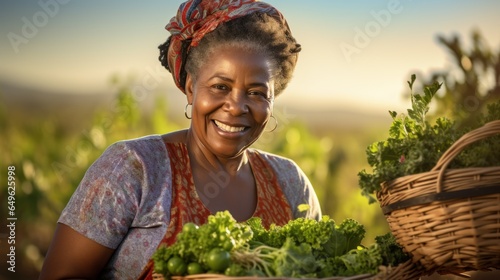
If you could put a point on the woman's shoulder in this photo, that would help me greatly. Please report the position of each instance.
(148, 149)
(130, 159)
(287, 171)
(278, 162)
(153, 141)
(139, 154)
(295, 184)
(179, 136)
(148, 146)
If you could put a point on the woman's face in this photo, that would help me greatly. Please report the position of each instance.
(232, 97)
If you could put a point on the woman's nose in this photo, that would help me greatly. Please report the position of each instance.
(236, 102)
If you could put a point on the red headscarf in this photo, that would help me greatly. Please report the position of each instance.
(195, 18)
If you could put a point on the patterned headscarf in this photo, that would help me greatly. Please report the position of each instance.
(195, 18)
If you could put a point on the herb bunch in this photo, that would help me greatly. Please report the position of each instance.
(415, 145)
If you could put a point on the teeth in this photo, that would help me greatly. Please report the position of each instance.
(228, 128)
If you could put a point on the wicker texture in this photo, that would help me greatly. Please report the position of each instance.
(405, 271)
(449, 235)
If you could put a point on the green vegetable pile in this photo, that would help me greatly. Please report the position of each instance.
(301, 248)
(415, 145)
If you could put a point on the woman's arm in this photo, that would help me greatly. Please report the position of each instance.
(74, 256)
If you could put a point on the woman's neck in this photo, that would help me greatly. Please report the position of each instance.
(201, 157)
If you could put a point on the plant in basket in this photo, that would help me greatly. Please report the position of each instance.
(439, 186)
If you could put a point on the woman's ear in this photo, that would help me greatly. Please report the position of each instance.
(189, 88)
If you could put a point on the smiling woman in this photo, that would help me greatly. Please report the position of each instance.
(232, 99)
(230, 59)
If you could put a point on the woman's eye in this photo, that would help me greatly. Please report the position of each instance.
(259, 93)
(220, 87)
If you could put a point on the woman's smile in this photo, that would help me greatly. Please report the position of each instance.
(229, 128)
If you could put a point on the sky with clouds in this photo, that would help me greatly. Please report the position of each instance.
(355, 54)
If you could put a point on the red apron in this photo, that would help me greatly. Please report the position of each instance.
(272, 205)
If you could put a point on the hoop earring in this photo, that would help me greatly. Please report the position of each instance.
(275, 124)
(185, 112)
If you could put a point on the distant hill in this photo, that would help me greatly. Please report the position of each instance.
(75, 110)
(28, 104)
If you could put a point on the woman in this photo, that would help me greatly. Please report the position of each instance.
(231, 59)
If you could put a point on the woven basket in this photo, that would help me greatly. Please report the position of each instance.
(405, 271)
(448, 219)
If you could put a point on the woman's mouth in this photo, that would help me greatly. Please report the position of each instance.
(228, 128)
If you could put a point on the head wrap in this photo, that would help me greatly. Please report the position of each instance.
(195, 18)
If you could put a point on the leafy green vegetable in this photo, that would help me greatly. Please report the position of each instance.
(391, 252)
(289, 260)
(300, 248)
(324, 236)
(293, 260)
(361, 259)
(386, 251)
(415, 145)
(195, 243)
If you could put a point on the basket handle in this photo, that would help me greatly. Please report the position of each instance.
(485, 131)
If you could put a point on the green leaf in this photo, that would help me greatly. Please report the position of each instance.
(410, 84)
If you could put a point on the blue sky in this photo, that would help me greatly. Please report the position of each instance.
(356, 54)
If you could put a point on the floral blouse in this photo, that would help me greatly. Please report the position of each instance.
(127, 199)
